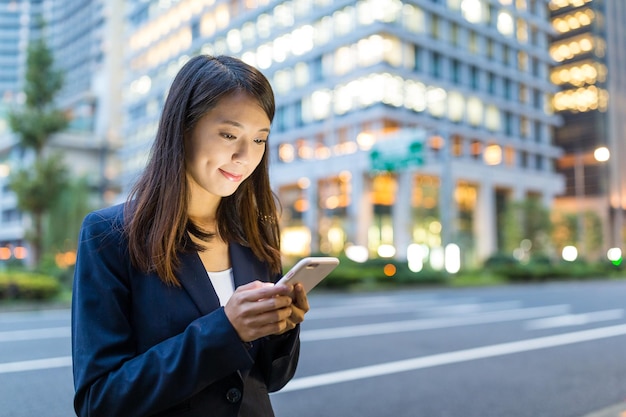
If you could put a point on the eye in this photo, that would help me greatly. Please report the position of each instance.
(228, 136)
(260, 141)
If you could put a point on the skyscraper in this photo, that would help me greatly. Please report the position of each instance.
(85, 37)
(589, 48)
(461, 86)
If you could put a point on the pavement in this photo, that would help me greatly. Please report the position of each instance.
(617, 410)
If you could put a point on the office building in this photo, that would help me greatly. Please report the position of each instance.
(85, 37)
(461, 85)
(589, 49)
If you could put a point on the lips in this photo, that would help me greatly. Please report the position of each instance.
(230, 176)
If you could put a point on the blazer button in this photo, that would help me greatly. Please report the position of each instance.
(233, 395)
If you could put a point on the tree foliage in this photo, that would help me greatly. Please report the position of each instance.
(527, 219)
(37, 186)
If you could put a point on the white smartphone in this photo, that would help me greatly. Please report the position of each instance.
(310, 271)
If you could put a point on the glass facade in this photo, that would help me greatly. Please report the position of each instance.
(588, 51)
(474, 75)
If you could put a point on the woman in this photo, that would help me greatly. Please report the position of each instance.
(174, 311)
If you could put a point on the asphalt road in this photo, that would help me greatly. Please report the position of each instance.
(553, 350)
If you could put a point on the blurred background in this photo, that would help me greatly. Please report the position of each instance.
(445, 133)
(438, 147)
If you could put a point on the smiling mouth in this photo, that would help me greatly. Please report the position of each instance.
(231, 177)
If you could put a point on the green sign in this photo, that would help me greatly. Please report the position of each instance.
(398, 152)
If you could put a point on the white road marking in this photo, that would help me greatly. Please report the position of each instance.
(429, 324)
(35, 365)
(426, 307)
(34, 334)
(453, 357)
(37, 316)
(575, 319)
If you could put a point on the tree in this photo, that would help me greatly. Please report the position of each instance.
(527, 220)
(38, 185)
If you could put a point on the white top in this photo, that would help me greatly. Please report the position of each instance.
(223, 283)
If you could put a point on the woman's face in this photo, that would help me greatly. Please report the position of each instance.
(226, 146)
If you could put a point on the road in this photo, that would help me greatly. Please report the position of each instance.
(553, 350)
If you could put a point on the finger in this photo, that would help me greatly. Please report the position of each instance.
(301, 300)
(264, 291)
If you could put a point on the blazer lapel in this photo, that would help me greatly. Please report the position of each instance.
(194, 278)
(246, 267)
(196, 282)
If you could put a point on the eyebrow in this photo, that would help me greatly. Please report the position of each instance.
(239, 125)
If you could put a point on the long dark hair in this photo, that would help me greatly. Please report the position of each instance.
(156, 220)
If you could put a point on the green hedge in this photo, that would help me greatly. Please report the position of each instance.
(543, 269)
(20, 285)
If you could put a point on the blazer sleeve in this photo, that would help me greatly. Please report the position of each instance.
(281, 354)
(111, 377)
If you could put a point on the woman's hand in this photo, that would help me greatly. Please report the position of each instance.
(299, 307)
(261, 309)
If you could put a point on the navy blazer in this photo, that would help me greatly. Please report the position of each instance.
(143, 348)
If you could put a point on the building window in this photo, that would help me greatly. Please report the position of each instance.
(435, 68)
(418, 53)
(434, 27)
(456, 71)
(490, 49)
(454, 34)
(474, 78)
(508, 123)
(473, 43)
(491, 83)
(507, 89)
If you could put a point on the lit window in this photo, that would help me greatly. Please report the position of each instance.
(301, 74)
(320, 104)
(283, 81)
(370, 51)
(456, 106)
(323, 31)
(473, 11)
(302, 40)
(248, 32)
(394, 90)
(343, 21)
(474, 111)
(233, 39)
(413, 18)
(415, 98)
(264, 56)
(393, 51)
(264, 26)
(344, 60)
(207, 25)
(492, 118)
(286, 152)
(505, 23)
(283, 14)
(522, 31)
(281, 47)
(364, 13)
(436, 101)
(222, 16)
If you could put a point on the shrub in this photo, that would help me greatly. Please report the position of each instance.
(27, 286)
(350, 274)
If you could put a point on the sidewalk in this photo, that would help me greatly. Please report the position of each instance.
(617, 410)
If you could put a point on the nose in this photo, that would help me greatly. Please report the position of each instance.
(242, 153)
